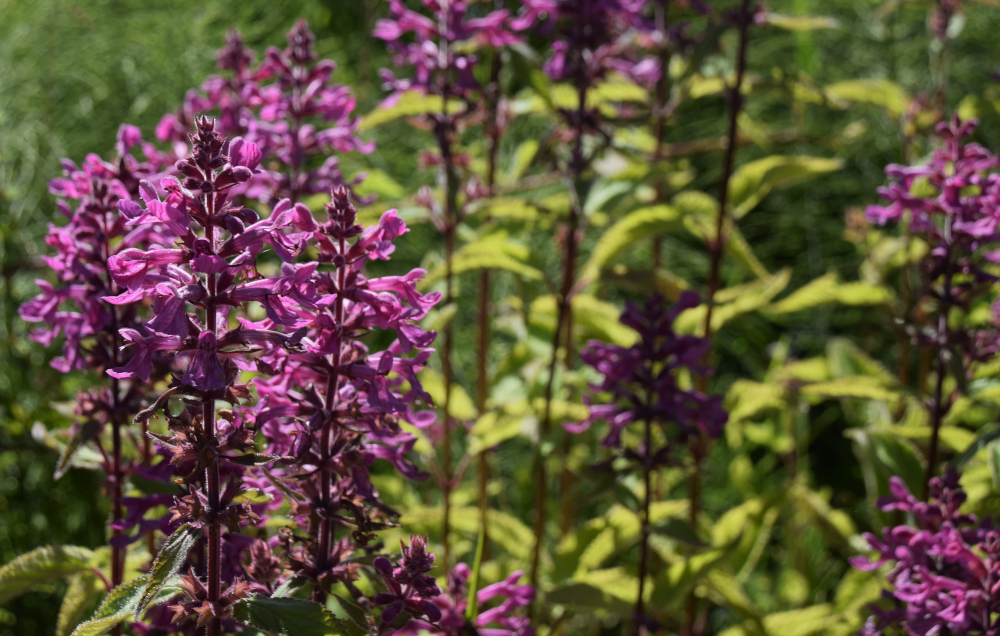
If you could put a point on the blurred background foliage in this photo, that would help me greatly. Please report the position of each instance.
(72, 71)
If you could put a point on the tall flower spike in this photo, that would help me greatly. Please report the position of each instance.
(334, 406)
(640, 389)
(196, 283)
(73, 307)
(287, 107)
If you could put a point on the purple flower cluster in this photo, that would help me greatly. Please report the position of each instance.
(74, 306)
(287, 106)
(945, 568)
(439, 613)
(641, 381)
(592, 38)
(333, 406)
(438, 68)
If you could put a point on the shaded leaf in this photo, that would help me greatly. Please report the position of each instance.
(41, 565)
(290, 617)
(86, 432)
(82, 592)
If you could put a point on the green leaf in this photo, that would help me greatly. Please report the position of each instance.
(679, 530)
(357, 615)
(495, 251)
(880, 92)
(753, 181)
(472, 604)
(380, 183)
(669, 285)
(83, 434)
(290, 617)
(801, 22)
(671, 587)
(82, 592)
(733, 302)
(800, 622)
(171, 557)
(121, 604)
(461, 406)
(493, 429)
(409, 104)
(40, 566)
(987, 435)
(587, 597)
(630, 229)
(899, 459)
(857, 386)
(828, 289)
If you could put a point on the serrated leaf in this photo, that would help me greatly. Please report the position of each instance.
(880, 92)
(40, 566)
(289, 617)
(624, 234)
(754, 180)
(121, 604)
(354, 613)
(82, 592)
(83, 434)
(170, 559)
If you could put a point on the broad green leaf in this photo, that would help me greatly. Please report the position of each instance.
(828, 289)
(835, 524)
(846, 358)
(858, 386)
(753, 181)
(81, 594)
(254, 496)
(357, 615)
(801, 622)
(880, 92)
(83, 434)
(801, 22)
(408, 104)
(495, 251)
(122, 603)
(588, 597)
(41, 565)
(170, 559)
(592, 318)
(732, 303)
(899, 458)
(733, 595)
(746, 399)
(493, 429)
(380, 183)
(290, 617)
(461, 406)
(985, 436)
(673, 585)
(523, 156)
(637, 225)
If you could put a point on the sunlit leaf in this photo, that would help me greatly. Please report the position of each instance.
(41, 565)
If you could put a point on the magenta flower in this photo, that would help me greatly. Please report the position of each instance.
(945, 568)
